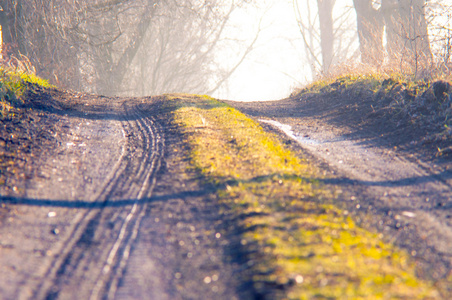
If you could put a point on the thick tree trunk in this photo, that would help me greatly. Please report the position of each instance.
(393, 23)
(326, 33)
(8, 24)
(370, 32)
(407, 35)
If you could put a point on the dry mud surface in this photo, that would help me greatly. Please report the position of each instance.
(389, 175)
(108, 210)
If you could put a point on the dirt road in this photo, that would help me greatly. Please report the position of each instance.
(113, 214)
(111, 209)
(390, 179)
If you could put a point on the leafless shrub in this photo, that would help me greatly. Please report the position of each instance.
(132, 47)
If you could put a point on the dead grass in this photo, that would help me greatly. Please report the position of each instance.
(299, 245)
(427, 103)
(16, 122)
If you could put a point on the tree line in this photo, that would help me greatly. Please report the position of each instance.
(119, 47)
(143, 47)
(410, 36)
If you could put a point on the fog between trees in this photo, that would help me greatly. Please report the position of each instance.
(148, 47)
(114, 47)
(408, 36)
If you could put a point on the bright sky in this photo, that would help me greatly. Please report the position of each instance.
(277, 64)
(275, 67)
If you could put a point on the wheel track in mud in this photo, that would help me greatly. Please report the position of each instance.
(101, 238)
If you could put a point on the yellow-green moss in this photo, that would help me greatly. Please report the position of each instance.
(296, 239)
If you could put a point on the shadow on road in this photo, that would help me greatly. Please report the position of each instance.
(95, 205)
(410, 181)
(81, 105)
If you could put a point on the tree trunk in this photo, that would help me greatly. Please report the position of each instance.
(8, 24)
(406, 31)
(326, 33)
(370, 32)
(393, 23)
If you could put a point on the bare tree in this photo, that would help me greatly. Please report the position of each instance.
(328, 38)
(439, 19)
(307, 18)
(370, 31)
(407, 38)
(130, 47)
(406, 31)
(325, 8)
(7, 21)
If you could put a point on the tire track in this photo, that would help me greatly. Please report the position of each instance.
(94, 257)
(79, 226)
(120, 251)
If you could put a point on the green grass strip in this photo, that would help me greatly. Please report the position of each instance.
(297, 242)
(13, 86)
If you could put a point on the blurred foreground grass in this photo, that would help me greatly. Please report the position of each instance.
(13, 86)
(299, 245)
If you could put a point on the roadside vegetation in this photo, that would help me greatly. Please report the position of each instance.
(426, 103)
(13, 87)
(298, 243)
(16, 123)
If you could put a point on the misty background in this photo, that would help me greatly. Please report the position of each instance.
(230, 49)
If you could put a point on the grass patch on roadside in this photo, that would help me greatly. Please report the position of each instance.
(371, 81)
(299, 245)
(16, 138)
(427, 103)
(13, 87)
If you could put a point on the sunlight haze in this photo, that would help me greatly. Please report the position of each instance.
(275, 66)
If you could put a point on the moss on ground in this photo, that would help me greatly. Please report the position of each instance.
(297, 241)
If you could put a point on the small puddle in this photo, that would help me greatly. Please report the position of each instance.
(287, 129)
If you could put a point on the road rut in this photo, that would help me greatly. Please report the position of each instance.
(90, 226)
